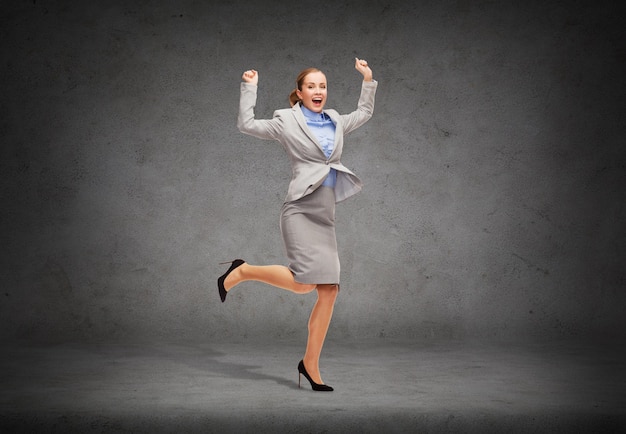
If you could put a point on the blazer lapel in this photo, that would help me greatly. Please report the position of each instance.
(297, 112)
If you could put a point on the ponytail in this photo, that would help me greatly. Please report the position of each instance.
(293, 97)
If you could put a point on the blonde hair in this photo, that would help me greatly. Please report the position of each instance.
(293, 96)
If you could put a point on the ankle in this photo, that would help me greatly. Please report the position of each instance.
(233, 279)
(311, 364)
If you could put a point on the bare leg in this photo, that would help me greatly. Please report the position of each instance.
(275, 275)
(318, 326)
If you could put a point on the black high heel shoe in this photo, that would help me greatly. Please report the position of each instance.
(314, 385)
(220, 281)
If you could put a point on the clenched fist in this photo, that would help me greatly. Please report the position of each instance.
(250, 76)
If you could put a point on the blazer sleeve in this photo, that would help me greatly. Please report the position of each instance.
(246, 123)
(365, 107)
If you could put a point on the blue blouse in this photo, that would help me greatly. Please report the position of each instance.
(323, 129)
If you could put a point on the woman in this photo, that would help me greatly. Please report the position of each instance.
(313, 140)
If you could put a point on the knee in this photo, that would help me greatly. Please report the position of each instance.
(327, 293)
(305, 288)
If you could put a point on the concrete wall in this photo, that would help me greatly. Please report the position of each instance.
(494, 168)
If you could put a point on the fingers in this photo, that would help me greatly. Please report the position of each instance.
(363, 68)
(360, 63)
(250, 76)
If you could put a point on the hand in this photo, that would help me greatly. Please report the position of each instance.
(251, 76)
(361, 66)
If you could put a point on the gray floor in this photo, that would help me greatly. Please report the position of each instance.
(381, 386)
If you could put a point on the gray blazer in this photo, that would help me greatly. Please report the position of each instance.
(308, 163)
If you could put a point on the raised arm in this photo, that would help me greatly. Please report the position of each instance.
(246, 122)
(365, 107)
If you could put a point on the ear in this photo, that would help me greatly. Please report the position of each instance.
(299, 93)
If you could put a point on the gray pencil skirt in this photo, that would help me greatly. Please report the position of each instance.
(308, 229)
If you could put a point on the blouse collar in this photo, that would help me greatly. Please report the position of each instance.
(313, 116)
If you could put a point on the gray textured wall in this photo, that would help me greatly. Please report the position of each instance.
(494, 167)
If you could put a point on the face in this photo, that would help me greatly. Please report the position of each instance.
(313, 92)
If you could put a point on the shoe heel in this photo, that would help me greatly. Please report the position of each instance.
(220, 281)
